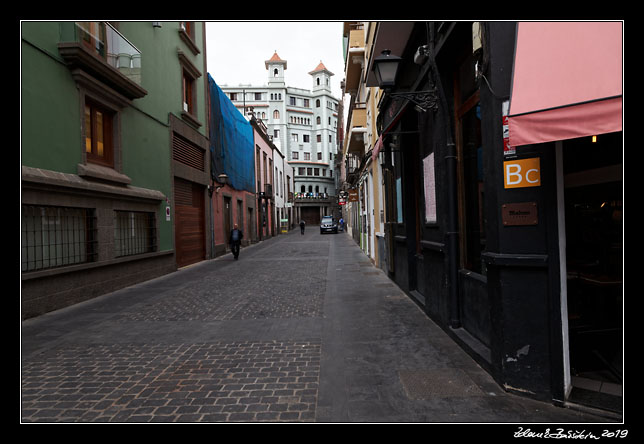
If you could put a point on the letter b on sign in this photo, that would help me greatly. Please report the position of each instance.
(521, 173)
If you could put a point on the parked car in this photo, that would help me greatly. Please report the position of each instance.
(328, 224)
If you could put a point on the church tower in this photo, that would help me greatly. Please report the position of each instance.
(276, 68)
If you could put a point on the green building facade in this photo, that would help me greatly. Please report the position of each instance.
(114, 156)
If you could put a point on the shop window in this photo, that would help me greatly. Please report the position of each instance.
(469, 149)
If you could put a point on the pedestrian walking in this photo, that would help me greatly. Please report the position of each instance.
(302, 224)
(341, 224)
(236, 236)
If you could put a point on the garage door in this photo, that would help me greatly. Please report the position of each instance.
(189, 222)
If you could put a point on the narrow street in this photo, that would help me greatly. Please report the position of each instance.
(299, 329)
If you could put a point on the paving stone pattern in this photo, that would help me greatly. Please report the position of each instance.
(300, 329)
(224, 381)
(222, 296)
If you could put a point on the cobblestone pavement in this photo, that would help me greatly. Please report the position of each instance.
(300, 329)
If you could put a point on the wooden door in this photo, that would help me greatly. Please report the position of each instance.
(189, 226)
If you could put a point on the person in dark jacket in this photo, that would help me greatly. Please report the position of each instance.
(236, 236)
(302, 224)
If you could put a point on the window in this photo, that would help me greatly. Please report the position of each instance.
(276, 134)
(134, 233)
(306, 138)
(470, 174)
(319, 138)
(318, 120)
(188, 27)
(307, 156)
(99, 145)
(319, 156)
(276, 115)
(307, 103)
(276, 72)
(317, 103)
(188, 92)
(233, 96)
(291, 101)
(316, 171)
(258, 96)
(294, 137)
(309, 171)
(57, 236)
(301, 172)
(296, 155)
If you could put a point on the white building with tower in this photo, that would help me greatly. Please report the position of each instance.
(303, 124)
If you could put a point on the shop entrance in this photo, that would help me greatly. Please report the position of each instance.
(593, 192)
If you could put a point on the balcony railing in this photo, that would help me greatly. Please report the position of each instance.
(104, 41)
(98, 50)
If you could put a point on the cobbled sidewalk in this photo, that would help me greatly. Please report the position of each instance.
(300, 329)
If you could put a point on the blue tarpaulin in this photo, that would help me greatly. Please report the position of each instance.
(232, 147)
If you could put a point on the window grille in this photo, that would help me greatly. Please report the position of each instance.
(57, 236)
(134, 233)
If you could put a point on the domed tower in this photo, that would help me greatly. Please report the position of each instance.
(276, 68)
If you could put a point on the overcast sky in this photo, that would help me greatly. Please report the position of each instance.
(236, 51)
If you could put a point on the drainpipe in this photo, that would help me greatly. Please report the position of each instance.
(452, 211)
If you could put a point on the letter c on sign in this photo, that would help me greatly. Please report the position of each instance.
(527, 176)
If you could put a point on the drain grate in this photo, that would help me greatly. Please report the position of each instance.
(438, 383)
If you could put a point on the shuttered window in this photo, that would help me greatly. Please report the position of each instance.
(187, 153)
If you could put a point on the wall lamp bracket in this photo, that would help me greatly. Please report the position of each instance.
(424, 100)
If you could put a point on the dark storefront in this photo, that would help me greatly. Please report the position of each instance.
(477, 235)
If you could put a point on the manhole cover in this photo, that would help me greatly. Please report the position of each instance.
(439, 383)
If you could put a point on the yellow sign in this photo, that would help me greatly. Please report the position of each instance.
(522, 173)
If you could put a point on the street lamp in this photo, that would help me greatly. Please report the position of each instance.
(385, 68)
(222, 179)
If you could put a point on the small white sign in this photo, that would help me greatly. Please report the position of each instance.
(167, 214)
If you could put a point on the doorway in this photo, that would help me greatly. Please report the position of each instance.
(228, 217)
(593, 193)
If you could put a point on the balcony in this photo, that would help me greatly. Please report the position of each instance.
(101, 51)
(354, 60)
(357, 129)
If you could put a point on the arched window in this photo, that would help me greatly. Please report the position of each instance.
(318, 81)
(276, 115)
(317, 103)
(303, 189)
(318, 120)
(276, 72)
